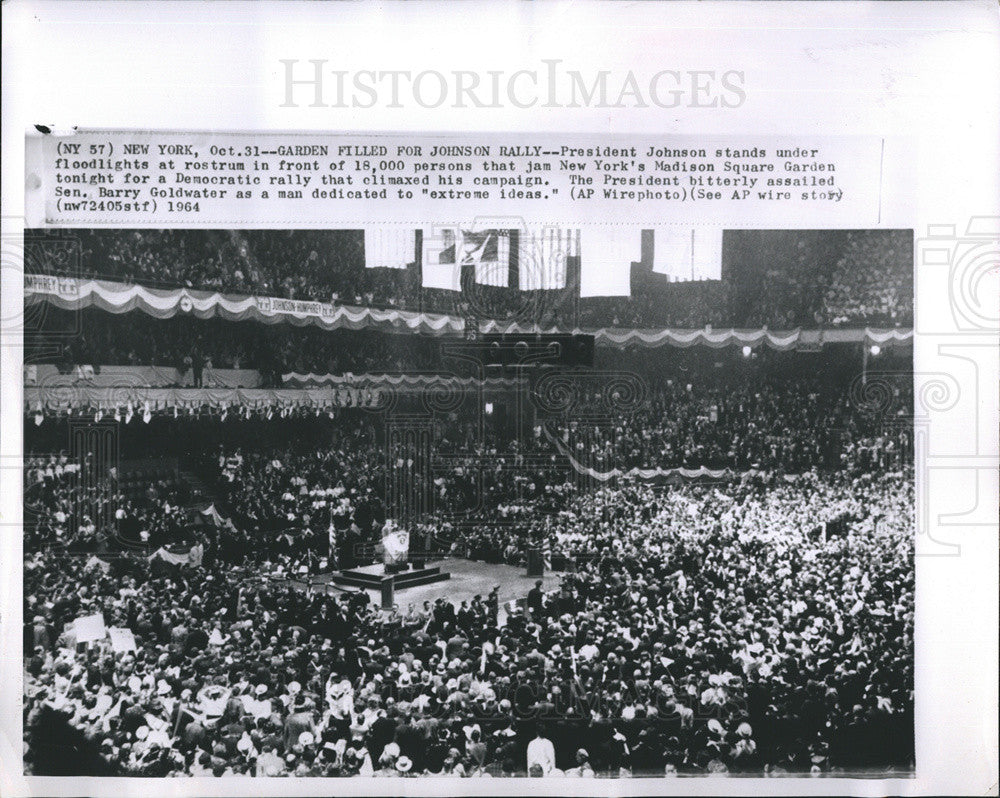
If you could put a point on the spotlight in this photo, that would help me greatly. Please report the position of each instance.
(488, 407)
(747, 351)
(875, 350)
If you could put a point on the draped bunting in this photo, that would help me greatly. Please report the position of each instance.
(70, 294)
(621, 337)
(886, 336)
(641, 473)
(788, 339)
(712, 338)
(395, 380)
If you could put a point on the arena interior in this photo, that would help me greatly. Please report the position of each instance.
(664, 534)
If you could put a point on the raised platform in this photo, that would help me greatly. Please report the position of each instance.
(466, 578)
(372, 577)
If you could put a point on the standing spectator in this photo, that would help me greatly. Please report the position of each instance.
(536, 600)
(541, 752)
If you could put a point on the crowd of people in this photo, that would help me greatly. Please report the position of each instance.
(762, 626)
(779, 279)
(295, 264)
(787, 426)
(70, 508)
(656, 303)
(736, 415)
(759, 622)
(868, 286)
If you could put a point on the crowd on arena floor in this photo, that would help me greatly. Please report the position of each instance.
(781, 279)
(703, 630)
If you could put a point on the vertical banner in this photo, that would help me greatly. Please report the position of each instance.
(607, 254)
(685, 253)
(542, 256)
(389, 247)
(706, 253)
(441, 267)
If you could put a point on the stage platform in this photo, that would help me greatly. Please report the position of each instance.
(467, 579)
(372, 577)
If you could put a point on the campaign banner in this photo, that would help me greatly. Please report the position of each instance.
(122, 639)
(89, 628)
(396, 542)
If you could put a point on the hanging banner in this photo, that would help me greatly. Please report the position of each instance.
(167, 303)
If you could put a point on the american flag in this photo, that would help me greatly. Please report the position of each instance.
(448, 249)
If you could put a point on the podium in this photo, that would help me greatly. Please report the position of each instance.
(536, 564)
(388, 593)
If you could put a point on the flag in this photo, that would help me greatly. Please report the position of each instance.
(213, 513)
(607, 254)
(542, 255)
(475, 247)
(192, 557)
(684, 254)
(441, 267)
(217, 518)
(489, 252)
(390, 247)
(448, 249)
